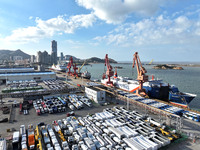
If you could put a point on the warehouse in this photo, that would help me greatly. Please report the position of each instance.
(95, 94)
(9, 70)
(37, 76)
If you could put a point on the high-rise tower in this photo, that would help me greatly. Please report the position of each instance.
(54, 52)
(61, 56)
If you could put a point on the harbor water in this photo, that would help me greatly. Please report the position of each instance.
(186, 80)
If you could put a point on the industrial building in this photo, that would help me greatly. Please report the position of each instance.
(95, 94)
(38, 76)
(9, 70)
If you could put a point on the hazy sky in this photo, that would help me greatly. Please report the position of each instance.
(163, 30)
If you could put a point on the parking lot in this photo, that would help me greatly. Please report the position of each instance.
(33, 118)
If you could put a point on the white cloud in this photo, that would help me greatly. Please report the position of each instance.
(154, 31)
(50, 27)
(116, 11)
(31, 17)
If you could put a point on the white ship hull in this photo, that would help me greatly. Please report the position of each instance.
(124, 83)
(59, 68)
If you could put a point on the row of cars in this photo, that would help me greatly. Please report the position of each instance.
(153, 103)
(76, 102)
(171, 109)
(55, 84)
(50, 105)
(60, 104)
(26, 83)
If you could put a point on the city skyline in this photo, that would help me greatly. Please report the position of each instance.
(160, 30)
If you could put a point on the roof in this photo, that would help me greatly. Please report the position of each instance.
(27, 74)
(93, 88)
(16, 68)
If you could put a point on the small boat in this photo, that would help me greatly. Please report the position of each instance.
(86, 75)
(118, 67)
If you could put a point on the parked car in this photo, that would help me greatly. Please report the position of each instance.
(70, 113)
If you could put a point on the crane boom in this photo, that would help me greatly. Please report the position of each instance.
(150, 62)
(79, 69)
(141, 73)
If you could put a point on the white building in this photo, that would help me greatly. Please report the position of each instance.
(95, 94)
(38, 76)
(9, 70)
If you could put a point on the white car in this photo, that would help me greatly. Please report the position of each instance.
(25, 112)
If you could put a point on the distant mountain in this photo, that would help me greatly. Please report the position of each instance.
(6, 54)
(90, 60)
(74, 58)
(98, 60)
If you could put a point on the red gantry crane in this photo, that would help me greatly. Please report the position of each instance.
(75, 68)
(109, 71)
(70, 64)
(141, 74)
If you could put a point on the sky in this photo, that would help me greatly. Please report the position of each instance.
(163, 30)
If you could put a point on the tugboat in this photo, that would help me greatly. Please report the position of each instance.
(86, 75)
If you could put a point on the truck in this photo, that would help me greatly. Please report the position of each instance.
(2, 144)
(65, 145)
(38, 112)
(22, 130)
(31, 137)
(15, 142)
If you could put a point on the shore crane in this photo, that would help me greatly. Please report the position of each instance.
(109, 71)
(151, 62)
(70, 64)
(141, 74)
(75, 68)
(79, 68)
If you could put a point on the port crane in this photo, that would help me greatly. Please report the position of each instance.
(141, 74)
(79, 69)
(109, 71)
(75, 73)
(70, 64)
(151, 62)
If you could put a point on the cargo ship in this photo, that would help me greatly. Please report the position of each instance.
(155, 89)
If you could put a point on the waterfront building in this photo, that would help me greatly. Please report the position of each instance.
(43, 58)
(33, 58)
(21, 76)
(61, 56)
(95, 94)
(54, 52)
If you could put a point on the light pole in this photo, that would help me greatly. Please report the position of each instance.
(127, 101)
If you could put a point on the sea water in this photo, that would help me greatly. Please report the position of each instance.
(187, 80)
